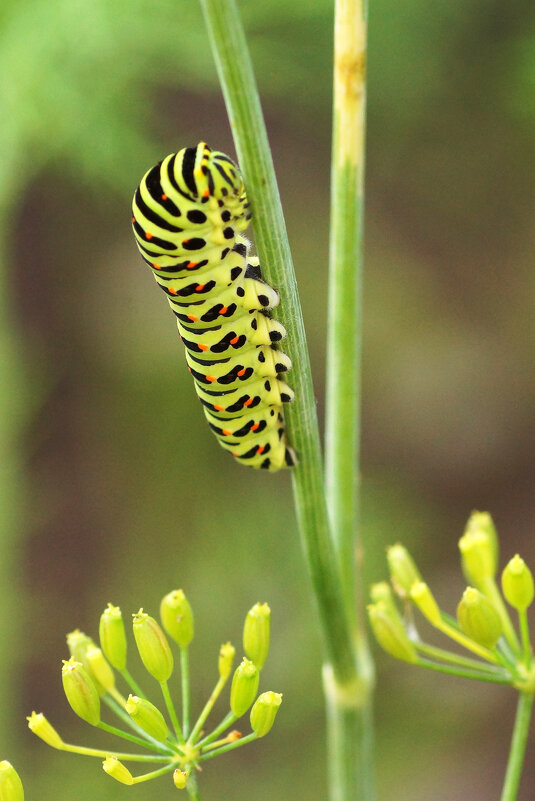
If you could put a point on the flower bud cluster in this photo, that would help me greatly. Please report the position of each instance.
(482, 625)
(90, 683)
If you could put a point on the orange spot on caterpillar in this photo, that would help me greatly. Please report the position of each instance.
(199, 287)
(133, 219)
(157, 266)
(191, 265)
(241, 372)
(248, 402)
(189, 368)
(192, 318)
(256, 425)
(172, 291)
(260, 449)
(224, 310)
(234, 340)
(206, 193)
(236, 454)
(226, 432)
(148, 236)
(211, 378)
(219, 408)
(203, 347)
(185, 241)
(164, 197)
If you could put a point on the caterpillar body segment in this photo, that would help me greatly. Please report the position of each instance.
(188, 215)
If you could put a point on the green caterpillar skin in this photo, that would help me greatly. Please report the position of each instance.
(188, 213)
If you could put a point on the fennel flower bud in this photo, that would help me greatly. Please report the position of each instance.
(244, 687)
(517, 584)
(11, 788)
(264, 711)
(177, 617)
(478, 618)
(112, 637)
(81, 692)
(153, 647)
(256, 634)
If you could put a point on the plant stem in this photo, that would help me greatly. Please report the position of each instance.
(230, 747)
(243, 106)
(463, 672)
(518, 747)
(172, 712)
(151, 742)
(132, 683)
(207, 709)
(456, 659)
(184, 677)
(349, 718)
(227, 721)
(192, 788)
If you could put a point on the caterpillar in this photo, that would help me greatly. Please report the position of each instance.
(188, 214)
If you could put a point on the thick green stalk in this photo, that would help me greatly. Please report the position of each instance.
(243, 105)
(349, 719)
(518, 747)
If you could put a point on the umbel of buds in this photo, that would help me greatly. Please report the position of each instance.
(173, 745)
(498, 651)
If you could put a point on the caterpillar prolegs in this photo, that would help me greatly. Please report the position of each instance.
(188, 212)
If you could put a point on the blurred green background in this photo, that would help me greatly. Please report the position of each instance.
(113, 489)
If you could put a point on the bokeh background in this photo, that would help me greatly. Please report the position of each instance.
(113, 489)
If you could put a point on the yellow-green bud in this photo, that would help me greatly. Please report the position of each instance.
(517, 584)
(117, 770)
(256, 634)
(403, 570)
(10, 784)
(180, 778)
(43, 729)
(244, 687)
(81, 692)
(79, 644)
(478, 619)
(479, 548)
(148, 717)
(226, 658)
(113, 637)
(99, 668)
(264, 711)
(424, 599)
(381, 591)
(153, 647)
(389, 634)
(177, 617)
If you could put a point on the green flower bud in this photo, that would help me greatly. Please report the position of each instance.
(256, 634)
(264, 711)
(517, 584)
(226, 658)
(180, 778)
(479, 548)
(10, 784)
(153, 647)
(117, 770)
(99, 668)
(244, 687)
(177, 617)
(43, 729)
(381, 591)
(81, 692)
(389, 634)
(403, 570)
(478, 619)
(78, 644)
(424, 599)
(148, 717)
(113, 637)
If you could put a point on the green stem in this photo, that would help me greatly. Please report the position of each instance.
(230, 747)
(132, 684)
(207, 709)
(131, 737)
(184, 678)
(154, 774)
(172, 712)
(98, 752)
(227, 721)
(518, 747)
(463, 672)
(235, 71)
(456, 659)
(524, 634)
(349, 713)
(191, 787)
